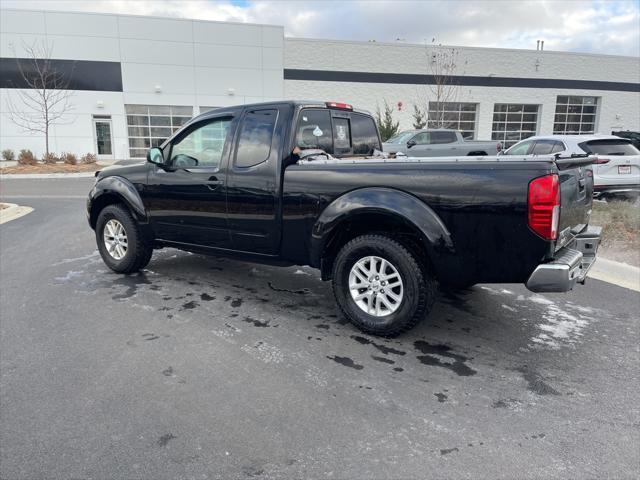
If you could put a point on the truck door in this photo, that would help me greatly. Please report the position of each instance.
(187, 199)
(254, 180)
(420, 146)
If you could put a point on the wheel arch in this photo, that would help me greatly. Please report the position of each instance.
(112, 190)
(384, 211)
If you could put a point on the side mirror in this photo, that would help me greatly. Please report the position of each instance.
(411, 143)
(155, 156)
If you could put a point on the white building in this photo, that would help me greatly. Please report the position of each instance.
(136, 79)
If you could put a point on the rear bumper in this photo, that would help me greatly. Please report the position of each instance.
(570, 266)
(599, 190)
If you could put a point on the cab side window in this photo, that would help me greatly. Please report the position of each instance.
(422, 138)
(443, 137)
(202, 147)
(256, 136)
(364, 135)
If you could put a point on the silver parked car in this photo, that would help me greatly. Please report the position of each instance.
(438, 143)
(616, 173)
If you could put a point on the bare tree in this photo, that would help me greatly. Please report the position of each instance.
(443, 87)
(44, 93)
(443, 63)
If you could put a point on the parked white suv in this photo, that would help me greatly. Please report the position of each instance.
(615, 173)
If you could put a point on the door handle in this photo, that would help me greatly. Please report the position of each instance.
(213, 182)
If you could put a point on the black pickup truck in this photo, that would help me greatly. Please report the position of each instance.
(304, 183)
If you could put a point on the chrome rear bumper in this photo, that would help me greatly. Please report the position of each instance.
(570, 266)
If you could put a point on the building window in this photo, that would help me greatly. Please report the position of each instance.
(207, 109)
(150, 125)
(513, 122)
(575, 115)
(454, 115)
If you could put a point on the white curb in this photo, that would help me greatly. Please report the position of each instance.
(12, 212)
(12, 176)
(620, 274)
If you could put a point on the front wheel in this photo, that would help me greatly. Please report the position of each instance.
(121, 242)
(380, 286)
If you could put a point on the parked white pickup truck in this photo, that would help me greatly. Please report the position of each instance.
(438, 143)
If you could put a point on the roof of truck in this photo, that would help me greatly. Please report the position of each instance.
(296, 103)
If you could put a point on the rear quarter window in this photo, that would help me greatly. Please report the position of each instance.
(364, 135)
(609, 147)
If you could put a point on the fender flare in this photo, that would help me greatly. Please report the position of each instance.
(122, 188)
(389, 201)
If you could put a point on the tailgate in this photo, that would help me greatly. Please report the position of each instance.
(576, 197)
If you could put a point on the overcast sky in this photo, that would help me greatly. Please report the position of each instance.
(611, 27)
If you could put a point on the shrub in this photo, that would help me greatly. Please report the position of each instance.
(89, 158)
(26, 157)
(8, 155)
(50, 158)
(69, 158)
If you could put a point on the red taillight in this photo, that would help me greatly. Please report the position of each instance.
(601, 161)
(544, 206)
(340, 105)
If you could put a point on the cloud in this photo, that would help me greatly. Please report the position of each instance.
(611, 27)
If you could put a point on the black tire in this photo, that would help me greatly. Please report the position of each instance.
(139, 251)
(418, 285)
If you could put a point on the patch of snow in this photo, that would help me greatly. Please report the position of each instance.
(507, 307)
(540, 300)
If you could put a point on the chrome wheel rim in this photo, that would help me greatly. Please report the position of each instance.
(115, 239)
(376, 286)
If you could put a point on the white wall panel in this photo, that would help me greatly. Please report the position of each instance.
(84, 48)
(155, 28)
(227, 33)
(233, 56)
(143, 78)
(156, 51)
(272, 58)
(81, 24)
(22, 21)
(273, 83)
(217, 81)
(272, 36)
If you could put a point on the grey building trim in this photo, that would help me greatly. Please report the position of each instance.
(462, 80)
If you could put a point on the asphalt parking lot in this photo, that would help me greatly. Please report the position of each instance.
(205, 367)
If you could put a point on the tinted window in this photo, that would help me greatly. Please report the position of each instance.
(610, 147)
(519, 149)
(341, 135)
(400, 138)
(256, 135)
(443, 137)
(202, 146)
(421, 138)
(364, 135)
(314, 130)
(547, 147)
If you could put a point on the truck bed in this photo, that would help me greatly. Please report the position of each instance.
(482, 202)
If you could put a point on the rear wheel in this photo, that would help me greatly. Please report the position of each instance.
(121, 242)
(380, 286)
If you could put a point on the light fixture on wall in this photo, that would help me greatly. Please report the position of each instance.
(158, 88)
(100, 104)
(231, 92)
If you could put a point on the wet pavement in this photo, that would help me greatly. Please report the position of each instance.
(204, 367)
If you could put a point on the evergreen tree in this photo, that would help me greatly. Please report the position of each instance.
(419, 120)
(386, 126)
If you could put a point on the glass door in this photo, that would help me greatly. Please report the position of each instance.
(102, 129)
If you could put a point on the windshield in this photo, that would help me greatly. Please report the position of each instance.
(401, 137)
(610, 147)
